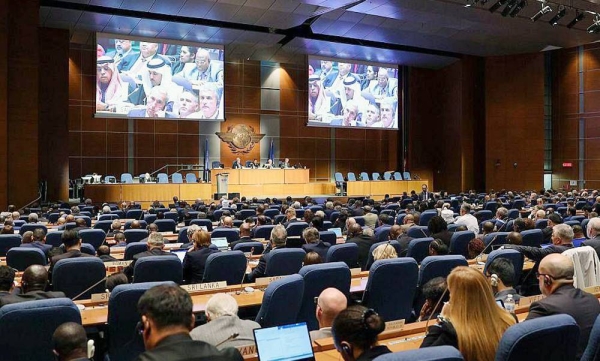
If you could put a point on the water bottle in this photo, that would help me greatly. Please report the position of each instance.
(509, 304)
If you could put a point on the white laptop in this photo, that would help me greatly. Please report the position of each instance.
(337, 231)
(284, 343)
(220, 242)
(180, 253)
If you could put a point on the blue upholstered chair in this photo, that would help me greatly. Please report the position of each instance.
(351, 177)
(166, 225)
(88, 249)
(512, 255)
(134, 214)
(135, 235)
(108, 216)
(26, 328)
(397, 176)
(550, 338)
(418, 232)
(225, 266)
(392, 303)
(295, 229)
(176, 178)
(162, 178)
(281, 301)
(203, 222)
(31, 227)
(75, 275)
(54, 238)
(318, 277)
(497, 237)
(328, 237)
(134, 248)
(418, 248)
(459, 243)
(340, 183)
(364, 176)
(126, 178)
(158, 269)
(392, 243)
(20, 258)
(8, 241)
(532, 237)
(95, 237)
(435, 266)
(124, 343)
(284, 261)
(103, 225)
(191, 178)
(345, 252)
(232, 234)
(249, 246)
(592, 350)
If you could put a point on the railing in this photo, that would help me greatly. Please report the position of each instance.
(179, 167)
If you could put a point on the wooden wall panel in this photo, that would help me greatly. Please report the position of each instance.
(4, 35)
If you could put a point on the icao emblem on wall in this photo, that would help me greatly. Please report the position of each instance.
(240, 138)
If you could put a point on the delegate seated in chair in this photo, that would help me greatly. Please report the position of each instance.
(156, 243)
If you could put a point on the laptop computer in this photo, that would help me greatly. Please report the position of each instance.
(284, 343)
(220, 242)
(337, 231)
(180, 253)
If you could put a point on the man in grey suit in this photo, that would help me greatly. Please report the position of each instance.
(202, 71)
(224, 323)
(593, 231)
(329, 303)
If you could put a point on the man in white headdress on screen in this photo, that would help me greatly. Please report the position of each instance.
(352, 92)
(159, 73)
(318, 103)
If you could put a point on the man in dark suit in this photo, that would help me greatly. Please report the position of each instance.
(314, 243)
(80, 225)
(593, 231)
(71, 343)
(245, 230)
(156, 103)
(364, 240)
(237, 163)
(72, 245)
(290, 215)
(562, 240)
(425, 195)
(156, 243)
(555, 278)
(194, 262)
(103, 253)
(166, 320)
(38, 241)
(278, 240)
(33, 285)
(7, 280)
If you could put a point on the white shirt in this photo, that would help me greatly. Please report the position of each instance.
(469, 221)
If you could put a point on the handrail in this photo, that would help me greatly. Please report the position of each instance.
(32, 202)
(179, 166)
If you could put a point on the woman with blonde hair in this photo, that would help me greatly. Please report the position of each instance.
(472, 321)
(384, 251)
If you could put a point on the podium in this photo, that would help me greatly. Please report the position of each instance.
(222, 179)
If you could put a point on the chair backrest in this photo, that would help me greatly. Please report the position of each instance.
(345, 252)
(191, 178)
(592, 350)
(31, 227)
(134, 214)
(110, 179)
(397, 176)
(512, 255)
(232, 234)
(126, 178)
(392, 243)
(20, 258)
(439, 266)
(135, 235)
(245, 213)
(215, 164)
(177, 178)
(375, 176)
(541, 223)
(284, 261)
(88, 249)
(425, 217)
(364, 176)
(225, 266)
(166, 225)
(26, 328)
(418, 248)
(95, 237)
(387, 175)
(249, 246)
(172, 215)
(75, 275)
(406, 176)
(496, 237)
(202, 222)
(103, 225)
(351, 177)
(459, 243)
(53, 238)
(271, 212)
(328, 237)
(587, 266)
(8, 241)
(546, 338)
(134, 248)
(279, 219)
(392, 303)
(491, 206)
(125, 343)
(532, 237)
(162, 178)
(150, 218)
(296, 228)
(484, 215)
(338, 177)
(281, 301)
(318, 277)
(108, 216)
(158, 269)
(418, 232)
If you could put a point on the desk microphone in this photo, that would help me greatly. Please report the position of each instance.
(243, 276)
(87, 289)
(436, 307)
(422, 231)
(232, 337)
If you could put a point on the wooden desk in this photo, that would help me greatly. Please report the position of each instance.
(379, 188)
(262, 176)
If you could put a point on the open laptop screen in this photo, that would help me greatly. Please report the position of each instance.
(337, 231)
(220, 242)
(180, 253)
(284, 343)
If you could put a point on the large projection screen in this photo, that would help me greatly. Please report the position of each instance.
(155, 78)
(348, 94)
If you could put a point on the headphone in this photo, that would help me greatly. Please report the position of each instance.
(494, 280)
(347, 349)
(90, 349)
(547, 281)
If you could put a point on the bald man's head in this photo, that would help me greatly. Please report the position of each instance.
(354, 230)
(395, 232)
(329, 304)
(227, 222)
(70, 341)
(35, 278)
(556, 268)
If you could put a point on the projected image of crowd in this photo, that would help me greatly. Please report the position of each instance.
(139, 79)
(352, 95)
